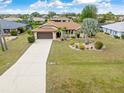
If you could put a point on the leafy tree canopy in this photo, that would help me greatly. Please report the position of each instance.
(89, 11)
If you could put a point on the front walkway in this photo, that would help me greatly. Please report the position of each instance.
(28, 75)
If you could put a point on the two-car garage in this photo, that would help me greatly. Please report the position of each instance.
(45, 32)
(44, 35)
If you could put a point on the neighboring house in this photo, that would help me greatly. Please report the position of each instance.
(7, 26)
(50, 29)
(39, 19)
(116, 29)
(121, 18)
(12, 19)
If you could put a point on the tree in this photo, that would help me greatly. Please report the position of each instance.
(35, 14)
(89, 28)
(51, 14)
(90, 11)
(108, 17)
(25, 16)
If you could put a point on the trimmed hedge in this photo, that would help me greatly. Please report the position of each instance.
(31, 39)
(122, 36)
(98, 45)
(116, 37)
(14, 33)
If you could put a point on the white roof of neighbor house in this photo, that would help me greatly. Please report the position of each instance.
(38, 19)
(12, 19)
(10, 24)
(119, 26)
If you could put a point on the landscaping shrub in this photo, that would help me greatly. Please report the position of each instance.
(98, 45)
(82, 47)
(21, 30)
(78, 35)
(31, 39)
(62, 39)
(116, 37)
(122, 36)
(30, 32)
(76, 46)
(73, 37)
(72, 42)
(107, 33)
(14, 33)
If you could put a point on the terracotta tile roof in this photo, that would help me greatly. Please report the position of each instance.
(52, 26)
(44, 30)
(68, 25)
(60, 18)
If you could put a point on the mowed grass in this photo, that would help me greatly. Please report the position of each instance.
(15, 49)
(86, 71)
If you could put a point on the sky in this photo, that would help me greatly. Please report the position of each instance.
(59, 6)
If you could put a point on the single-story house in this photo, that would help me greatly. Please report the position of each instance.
(7, 26)
(39, 19)
(50, 29)
(115, 29)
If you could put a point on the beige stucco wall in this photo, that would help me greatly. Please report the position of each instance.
(54, 35)
(35, 34)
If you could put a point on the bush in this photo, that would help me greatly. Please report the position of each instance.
(122, 36)
(72, 42)
(73, 37)
(98, 45)
(76, 46)
(78, 35)
(21, 30)
(82, 47)
(14, 33)
(107, 33)
(116, 37)
(30, 32)
(31, 39)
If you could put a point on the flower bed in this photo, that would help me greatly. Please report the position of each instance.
(82, 46)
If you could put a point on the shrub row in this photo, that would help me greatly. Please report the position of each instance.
(14, 33)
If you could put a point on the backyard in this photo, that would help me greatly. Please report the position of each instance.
(16, 49)
(71, 71)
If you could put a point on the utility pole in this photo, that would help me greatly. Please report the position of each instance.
(1, 42)
(4, 40)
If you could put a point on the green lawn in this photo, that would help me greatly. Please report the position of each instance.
(16, 49)
(86, 71)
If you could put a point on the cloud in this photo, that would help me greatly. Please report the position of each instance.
(38, 4)
(55, 3)
(4, 3)
(84, 1)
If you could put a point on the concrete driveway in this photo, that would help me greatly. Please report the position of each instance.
(28, 75)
